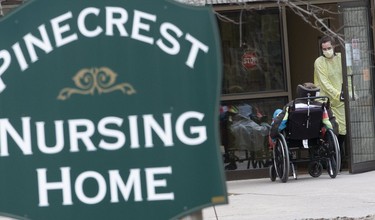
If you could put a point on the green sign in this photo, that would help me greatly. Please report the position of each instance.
(109, 110)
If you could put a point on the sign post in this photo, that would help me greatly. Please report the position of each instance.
(109, 110)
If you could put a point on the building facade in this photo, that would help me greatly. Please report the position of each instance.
(268, 49)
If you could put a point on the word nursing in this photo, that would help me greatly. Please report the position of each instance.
(186, 127)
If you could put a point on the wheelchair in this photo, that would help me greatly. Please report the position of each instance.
(305, 139)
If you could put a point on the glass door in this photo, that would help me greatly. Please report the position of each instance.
(360, 82)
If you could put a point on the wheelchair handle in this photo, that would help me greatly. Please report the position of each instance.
(312, 98)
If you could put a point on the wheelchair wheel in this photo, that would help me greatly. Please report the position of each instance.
(315, 169)
(281, 158)
(272, 173)
(334, 160)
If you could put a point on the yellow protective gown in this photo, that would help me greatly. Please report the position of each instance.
(328, 77)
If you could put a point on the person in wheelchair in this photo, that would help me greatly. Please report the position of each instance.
(306, 122)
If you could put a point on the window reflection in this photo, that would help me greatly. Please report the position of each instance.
(244, 127)
(252, 51)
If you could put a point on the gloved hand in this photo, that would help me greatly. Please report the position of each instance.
(342, 98)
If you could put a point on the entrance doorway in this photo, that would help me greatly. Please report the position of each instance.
(352, 21)
(303, 44)
(304, 35)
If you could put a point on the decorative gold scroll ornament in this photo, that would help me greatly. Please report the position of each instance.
(101, 79)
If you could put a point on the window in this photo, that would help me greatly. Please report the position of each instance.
(244, 129)
(252, 51)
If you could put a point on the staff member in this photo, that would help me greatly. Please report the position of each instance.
(328, 77)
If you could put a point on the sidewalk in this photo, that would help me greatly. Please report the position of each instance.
(348, 196)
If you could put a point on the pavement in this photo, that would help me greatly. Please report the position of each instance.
(348, 196)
